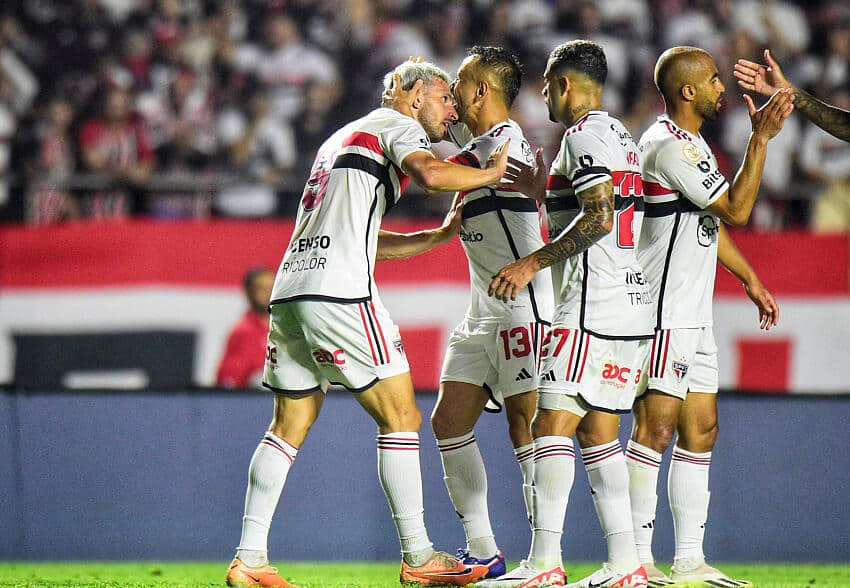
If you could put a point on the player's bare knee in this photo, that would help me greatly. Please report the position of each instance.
(443, 426)
(403, 421)
(519, 430)
(657, 435)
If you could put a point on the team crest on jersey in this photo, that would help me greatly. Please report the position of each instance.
(691, 153)
(680, 368)
(399, 346)
(317, 183)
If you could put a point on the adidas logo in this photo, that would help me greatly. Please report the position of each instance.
(649, 525)
(523, 375)
(550, 375)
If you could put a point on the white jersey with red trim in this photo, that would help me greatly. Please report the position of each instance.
(604, 290)
(498, 228)
(356, 178)
(678, 241)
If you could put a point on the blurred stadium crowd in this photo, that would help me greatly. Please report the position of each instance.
(199, 108)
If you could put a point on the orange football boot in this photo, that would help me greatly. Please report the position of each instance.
(441, 570)
(243, 576)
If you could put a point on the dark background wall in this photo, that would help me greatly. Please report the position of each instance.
(117, 475)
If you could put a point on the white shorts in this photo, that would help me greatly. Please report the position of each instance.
(503, 357)
(313, 343)
(682, 361)
(592, 373)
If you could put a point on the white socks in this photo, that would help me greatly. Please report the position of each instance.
(643, 464)
(266, 477)
(401, 479)
(687, 487)
(525, 459)
(466, 481)
(609, 485)
(554, 472)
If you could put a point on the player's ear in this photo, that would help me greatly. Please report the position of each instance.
(482, 89)
(564, 84)
(688, 92)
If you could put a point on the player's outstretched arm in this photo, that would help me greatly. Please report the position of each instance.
(436, 175)
(735, 206)
(733, 260)
(596, 221)
(401, 245)
(766, 79)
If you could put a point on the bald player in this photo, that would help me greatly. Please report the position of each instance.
(687, 197)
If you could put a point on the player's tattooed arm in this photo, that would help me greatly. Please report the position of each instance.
(767, 78)
(595, 221)
(831, 119)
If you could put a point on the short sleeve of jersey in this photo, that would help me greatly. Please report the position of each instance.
(459, 134)
(588, 159)
(403, 137)
(691, 172)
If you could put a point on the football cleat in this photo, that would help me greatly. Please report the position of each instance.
(655, 578)
(239, 574)
(705, 575)
(527, 576)
(608, 577)
(441, 570)
(495, 564)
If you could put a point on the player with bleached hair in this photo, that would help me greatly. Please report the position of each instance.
(328, 325)
(687, 200)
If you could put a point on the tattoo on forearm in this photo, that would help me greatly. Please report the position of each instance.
(597, 221)
(832, 119)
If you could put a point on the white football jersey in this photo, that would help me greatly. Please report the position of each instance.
(678, 242)
(603, 291)
(498, 228)
(356, 178)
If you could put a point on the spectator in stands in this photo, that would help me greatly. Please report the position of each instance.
(261, 149)
(49, 200)
(116, 146)
(286, 64)
(244, 354)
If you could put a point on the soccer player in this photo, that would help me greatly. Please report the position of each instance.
(766, 80)
(602, 324)
(495, 350)
(687, 197)
(328, 324)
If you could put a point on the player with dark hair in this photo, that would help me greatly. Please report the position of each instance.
(494, 353)
(687, 197)
(328, 324)
(601, 328)
(767, 79)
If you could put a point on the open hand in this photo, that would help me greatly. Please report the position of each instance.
(400, 99)
(769, 119)
(499, 158)
(763, 79)
(521, 177)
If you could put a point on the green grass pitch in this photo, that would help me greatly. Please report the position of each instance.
(340, 574)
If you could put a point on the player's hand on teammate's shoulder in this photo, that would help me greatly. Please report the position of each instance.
(499, 158)
(398, 98)
(763, 79)
(524, 178)
(768, 119)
